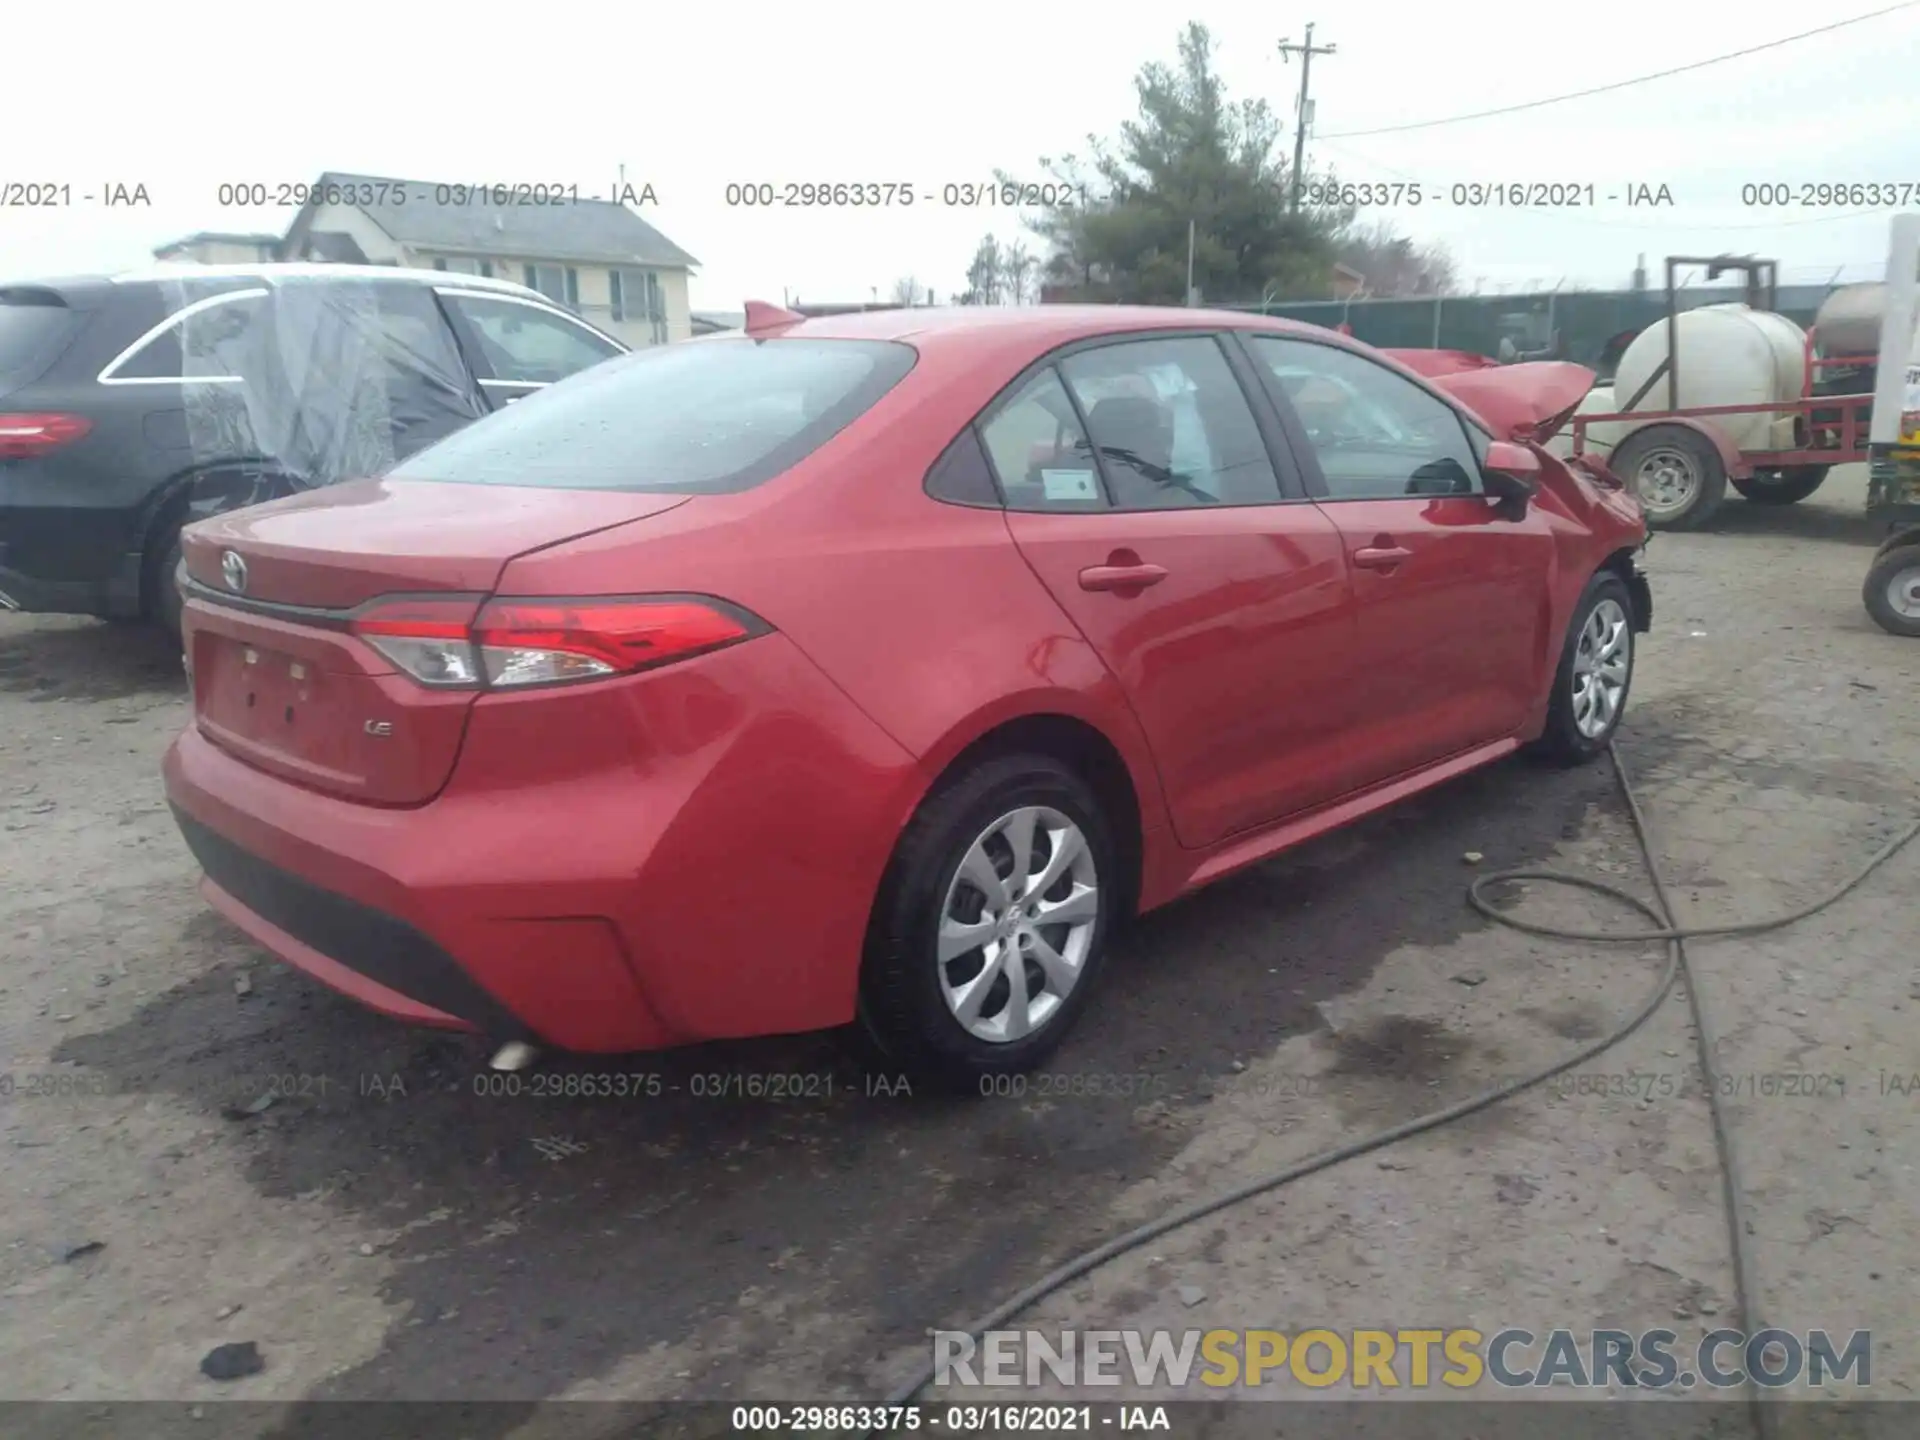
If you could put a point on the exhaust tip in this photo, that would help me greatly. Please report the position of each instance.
(514, 1055)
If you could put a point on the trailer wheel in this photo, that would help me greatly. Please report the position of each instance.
(1892, 591)
(1676, 473)
(1782, 487)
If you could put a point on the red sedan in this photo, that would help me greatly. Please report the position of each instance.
(875, 668)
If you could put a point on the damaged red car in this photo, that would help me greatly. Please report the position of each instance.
(871, 670)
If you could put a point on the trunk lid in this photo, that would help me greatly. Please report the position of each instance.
(341, 545)
(278, 679)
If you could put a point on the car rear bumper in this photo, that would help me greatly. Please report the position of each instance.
(114, 596)
(600, 899)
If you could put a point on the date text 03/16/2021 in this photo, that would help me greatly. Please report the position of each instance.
(1491, 194)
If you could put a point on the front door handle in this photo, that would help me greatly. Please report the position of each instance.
(1381, 557)
(1121, 577)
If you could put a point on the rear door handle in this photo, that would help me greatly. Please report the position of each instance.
(1381, 557)
(1121, 577)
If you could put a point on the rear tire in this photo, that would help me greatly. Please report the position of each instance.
(1675, 472)
(1782, 487)
(950, 1015)
(1892, 590)
(1595, 674)
(162, 601)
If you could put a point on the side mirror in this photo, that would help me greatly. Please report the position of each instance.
(1511, 474)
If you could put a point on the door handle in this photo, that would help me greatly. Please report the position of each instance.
(1381, 557)
(1121, 577)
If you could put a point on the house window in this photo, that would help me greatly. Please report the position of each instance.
(638, 298)
(486, 269)
(439, 264)
(560, 284)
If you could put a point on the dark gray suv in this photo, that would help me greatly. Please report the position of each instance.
(133, 404)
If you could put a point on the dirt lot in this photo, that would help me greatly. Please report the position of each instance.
(385, 1231)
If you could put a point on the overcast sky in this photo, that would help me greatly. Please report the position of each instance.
(692, 97)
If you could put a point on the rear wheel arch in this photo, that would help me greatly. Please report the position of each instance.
(1086, 750)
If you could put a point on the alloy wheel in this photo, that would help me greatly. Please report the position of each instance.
(1017, 924)
(1602, 661)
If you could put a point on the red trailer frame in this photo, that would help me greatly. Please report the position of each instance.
(1828, 429)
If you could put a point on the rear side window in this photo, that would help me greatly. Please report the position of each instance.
(706, 416)
(204, 342)
(32, 336)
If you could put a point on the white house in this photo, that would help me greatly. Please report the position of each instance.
(597, 258)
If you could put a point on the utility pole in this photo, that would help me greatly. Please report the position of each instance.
(1303, 111)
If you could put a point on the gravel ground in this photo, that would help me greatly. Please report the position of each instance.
(383, 1230)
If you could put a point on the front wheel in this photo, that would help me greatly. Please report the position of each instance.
(1892, 591)
(1782, 487)
(990, 928)
(1595, 673)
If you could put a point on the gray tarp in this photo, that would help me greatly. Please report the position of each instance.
(315, 381)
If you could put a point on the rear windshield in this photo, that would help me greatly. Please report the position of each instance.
(705, 416)
(32, 337)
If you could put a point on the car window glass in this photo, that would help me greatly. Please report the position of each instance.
(1039, 451)
(1377, 435)
(207, 344)
(1171, 424)
(529, 345)
(700, 417)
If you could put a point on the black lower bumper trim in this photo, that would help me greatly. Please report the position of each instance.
(384, 949)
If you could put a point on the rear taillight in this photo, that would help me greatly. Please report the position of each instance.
(23, 437)
(516, 643)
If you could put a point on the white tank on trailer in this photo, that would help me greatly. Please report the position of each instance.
(1729, 355)
(1848, 320)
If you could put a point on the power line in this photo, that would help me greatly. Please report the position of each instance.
(1622, 84)
(1579, 218)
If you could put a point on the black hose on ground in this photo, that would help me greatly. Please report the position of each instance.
(1666, 929)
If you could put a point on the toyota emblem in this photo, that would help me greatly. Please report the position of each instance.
(233, 570)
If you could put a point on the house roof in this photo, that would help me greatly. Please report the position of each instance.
(228, 237)
(595, 231)
(338, 246)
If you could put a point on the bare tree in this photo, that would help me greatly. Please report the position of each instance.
(907, 291)
(1018, 270)
(1395, 265)
(983, 275)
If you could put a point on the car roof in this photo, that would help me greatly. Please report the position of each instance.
(269, 273)
(87, 290)
(979, 332)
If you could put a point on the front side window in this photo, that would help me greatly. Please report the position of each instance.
(529, 345)
(1377, 435)
(707, 417)
(204, 343)
(1171, 425)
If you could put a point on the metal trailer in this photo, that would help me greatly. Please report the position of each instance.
(1679, 460)
(1892, 588)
